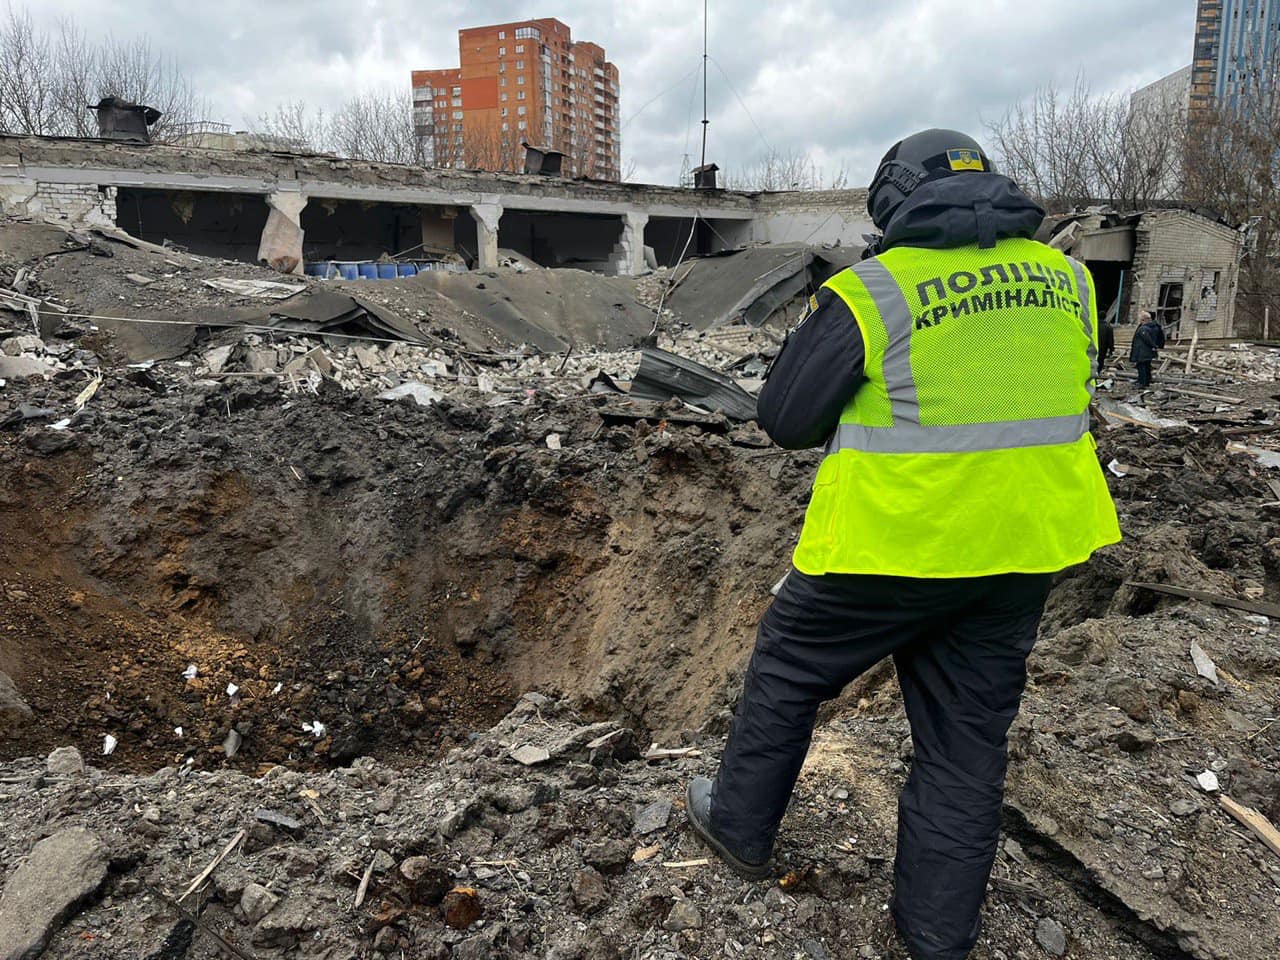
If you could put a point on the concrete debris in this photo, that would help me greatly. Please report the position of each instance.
(65, 762)
(61, 874)
(1208, 781)
(16, 346)
(262, 289)
(528, 755)
(753, 284)
(420, 393)
(17, 368)
(1204, 665)
(14, 711)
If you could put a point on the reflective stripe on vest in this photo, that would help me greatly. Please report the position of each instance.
(908, 435)
(1082, 288)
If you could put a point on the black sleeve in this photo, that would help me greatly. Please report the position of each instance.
(814, 375)
(1159, 331)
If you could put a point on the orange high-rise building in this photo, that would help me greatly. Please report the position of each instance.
(521, 82)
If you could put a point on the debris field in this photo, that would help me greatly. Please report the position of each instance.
(350, 621)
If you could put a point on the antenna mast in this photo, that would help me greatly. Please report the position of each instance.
(705, 121)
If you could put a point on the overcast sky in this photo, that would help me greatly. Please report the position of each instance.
(843, 80)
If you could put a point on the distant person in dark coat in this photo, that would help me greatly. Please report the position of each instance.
(1106, 342)
(1148, 340)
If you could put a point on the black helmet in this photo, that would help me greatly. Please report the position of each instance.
(924, 156)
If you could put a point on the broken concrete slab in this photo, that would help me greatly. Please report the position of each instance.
(548, 309)
(14, 346)
(217, 358)
(18, 368)
(752, 284)
(143, 341)
(62, 873)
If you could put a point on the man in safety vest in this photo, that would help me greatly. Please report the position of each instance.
(949, 377)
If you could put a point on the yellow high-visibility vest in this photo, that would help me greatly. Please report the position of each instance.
(966, 451)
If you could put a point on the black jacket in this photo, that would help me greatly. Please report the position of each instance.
(1106, 341)
(820, 365)
(1147, 341)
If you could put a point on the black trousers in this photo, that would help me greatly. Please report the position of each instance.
(960, 648)
(1144, 373)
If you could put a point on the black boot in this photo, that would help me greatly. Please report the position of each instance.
(698, 807)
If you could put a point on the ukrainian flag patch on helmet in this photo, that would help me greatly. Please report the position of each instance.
(965, 160)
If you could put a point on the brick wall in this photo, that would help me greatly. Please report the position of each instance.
(1175, 246)
(74, 203)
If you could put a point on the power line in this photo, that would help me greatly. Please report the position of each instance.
(651, 102)
(742, 103)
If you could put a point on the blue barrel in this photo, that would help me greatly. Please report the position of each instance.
(386, 271)
(348, 271)
(368, 271)
(406, 269)
(314, 269)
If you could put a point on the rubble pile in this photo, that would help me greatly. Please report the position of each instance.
(322, 643)
(547, 836)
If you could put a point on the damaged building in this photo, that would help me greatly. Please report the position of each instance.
(1181, 266)
(292, 210)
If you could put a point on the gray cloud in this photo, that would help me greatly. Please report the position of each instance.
(840, 80)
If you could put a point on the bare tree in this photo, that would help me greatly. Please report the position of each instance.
(48, 80)
(1233, 169)
(1073, 148)
(293, 125)
(376, 125)
(785, 170)
(372, 125)
(28, 77)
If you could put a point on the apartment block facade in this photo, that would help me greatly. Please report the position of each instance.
(527, 81)
(1237, 42)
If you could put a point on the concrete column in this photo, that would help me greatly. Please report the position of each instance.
(281, 243)
(487, 217)
(629, 253)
